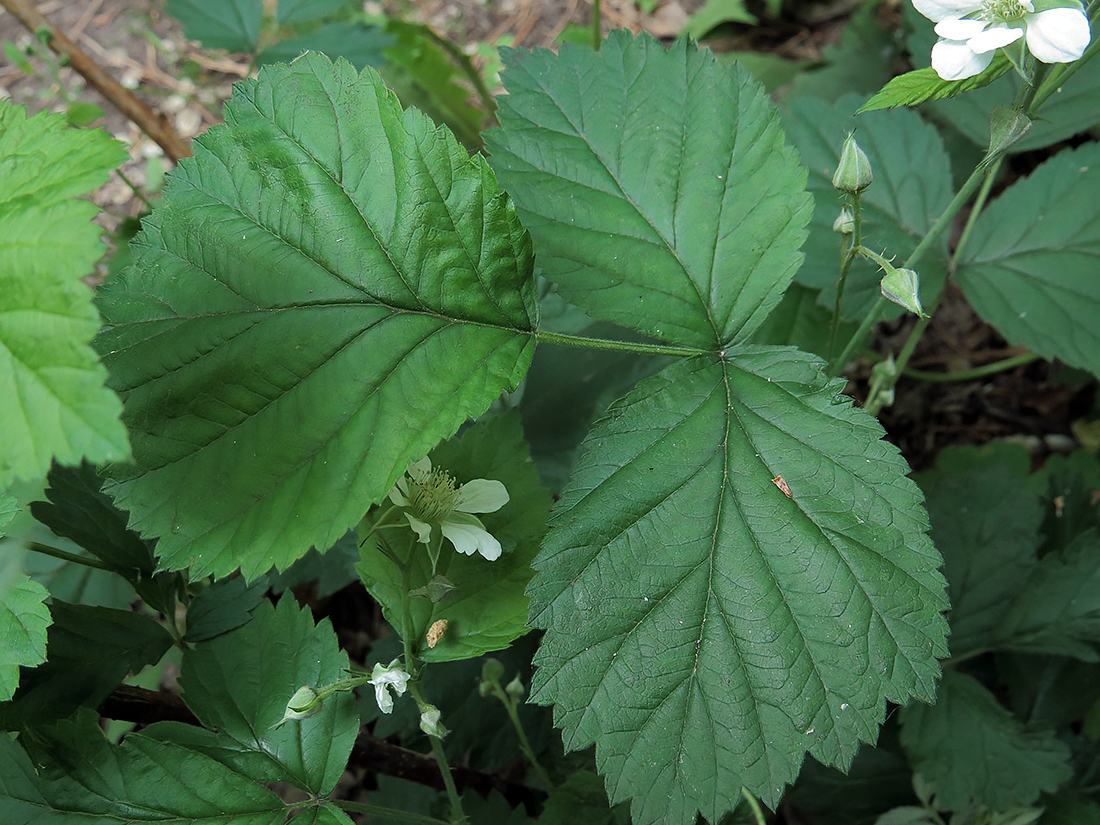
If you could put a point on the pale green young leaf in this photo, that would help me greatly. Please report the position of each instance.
(220, 24)
(487, 610)
(704, 629)
(657, 185)
(912, 187)
(81, 779)
(1029, 267)
(921, 85)
(331, 287)
(239, 684)
(52, 400)
(971, 749)
(986, 523)
(714, 13)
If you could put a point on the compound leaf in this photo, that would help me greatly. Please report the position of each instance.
(331, 288)
(52, 400)
(972, 749)
(239, 684)
(706, 629)
(220, 24)
(1029, 268)
(83, 780)
(650, 205)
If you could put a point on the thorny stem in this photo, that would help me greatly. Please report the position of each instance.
(153, 125)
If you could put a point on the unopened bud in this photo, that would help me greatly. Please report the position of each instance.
(515, 688)
(430, 722)
(853, 173)
(845, 222)
(491, 672)
(902, 286)
(302, 705)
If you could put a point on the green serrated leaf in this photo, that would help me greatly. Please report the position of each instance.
(83, 780)
(716, 12)
(487, 610)
(802, 322)
(985, 522)
(220, 24)
(705, 629)
(972, 749)
(52, 399)
(240, 683)
(652, 206)
(922, 85)
(223, 606)
(302, 11)
(380, 272)
(1058, 609)
(359, 44)
(581, 797)
(862, 61)
(90, 651)
(24, 618)
(1029, 265)
(912, 187)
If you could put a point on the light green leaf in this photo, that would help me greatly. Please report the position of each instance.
(301, 11)
(716, 12)
(911, 189)
(986, 523)
(972, 749)
(91, 649)
(1058, 608)
(52, 400)
(922, 85)
(487, 610)
(239, 684)
(359, 44)
(704, 629)
(1029, 268)
(83, 780)
(220, 24)
(24, 618)
(650, 205)
(383, 277)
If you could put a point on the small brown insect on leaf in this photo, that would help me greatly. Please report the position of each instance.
(782, 485)
(435, 632)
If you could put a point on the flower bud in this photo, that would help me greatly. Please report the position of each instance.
(515, 688)
(491, 672)
(430, 722)
(902, 286)
(853, 173)
(845, 223)
(302, 705)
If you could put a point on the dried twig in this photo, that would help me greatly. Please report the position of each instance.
(155, 126)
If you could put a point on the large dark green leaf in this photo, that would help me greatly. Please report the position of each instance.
(657, 185)
(972, 749)
(331, 288)
(220, 24)
(912, 187)
(705, 629)
(83, 780)
(52, 400)
(239, 684)
(1029, 268)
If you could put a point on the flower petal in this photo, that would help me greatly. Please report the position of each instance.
(382, 696)
(954, 29)
(995, 37)
(942, 9)
(1058, 35)
(399, 495)
(953, 60)
(481, 496)
(422, 529)
(468, 535)
(424, 465)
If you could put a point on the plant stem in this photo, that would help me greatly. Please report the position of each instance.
(468, 68)
(168, 139)
(607, 344)
(64, 555)
(457, 815)
(975, 373)
(596, 39)
(388, 813)
(525, 744)
(757, 813)
(133, 188)
(850, 255)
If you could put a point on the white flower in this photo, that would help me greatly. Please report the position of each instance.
(432, 498)
(383, 678)
(972, 30)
